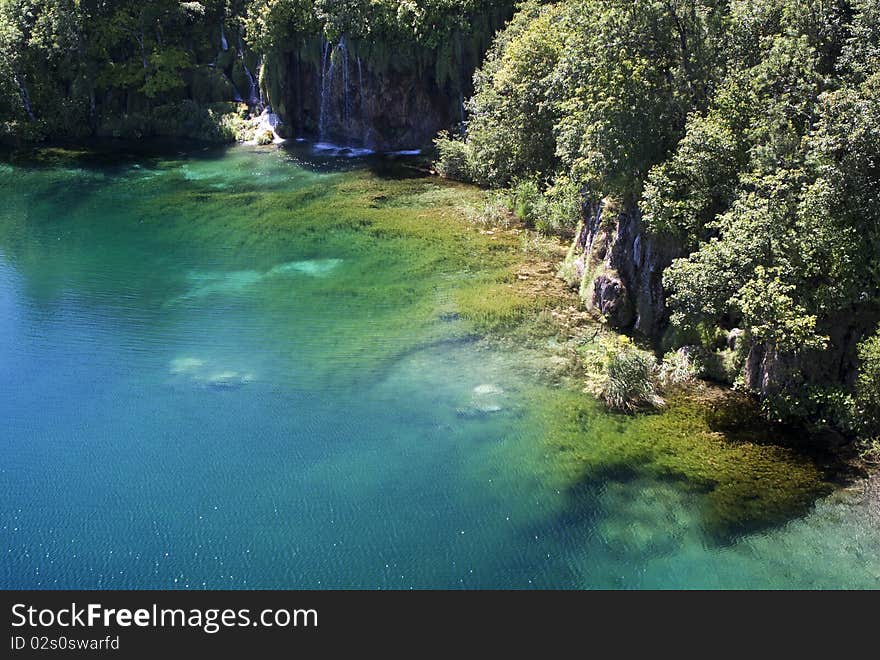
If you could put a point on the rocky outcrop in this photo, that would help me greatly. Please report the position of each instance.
(618, 267)
(386, 93)
(768, 371)
(329, 93)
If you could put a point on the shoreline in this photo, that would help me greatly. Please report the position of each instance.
(563, 312)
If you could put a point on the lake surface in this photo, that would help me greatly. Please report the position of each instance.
(246, 368)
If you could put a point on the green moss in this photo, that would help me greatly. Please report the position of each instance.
(495, 306)
(715, 447)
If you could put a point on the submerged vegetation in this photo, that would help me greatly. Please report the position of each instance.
(746, 474)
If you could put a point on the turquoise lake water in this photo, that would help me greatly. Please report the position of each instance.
(213, 375)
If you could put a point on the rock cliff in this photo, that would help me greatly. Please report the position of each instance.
(618, 268)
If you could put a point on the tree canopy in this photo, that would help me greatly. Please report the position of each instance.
(748, 131)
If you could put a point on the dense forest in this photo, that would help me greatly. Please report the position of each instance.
(718, 162)
(122, 68)
(714, 162)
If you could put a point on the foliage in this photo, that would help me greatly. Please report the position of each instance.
(678, 368)
(72, 65)
(746, 132)
(67, 66)
(493, 212)
(272, 23)
(868, 385)
(629, 383)
(454, 160)
(586, 95)
(783, 212)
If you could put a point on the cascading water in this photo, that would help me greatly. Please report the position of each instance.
(261, 64)
(223, 43)
(361, 99)
(337, 112)
(326, 84)
(25, 97)
(236, 95)
(346, 105)
(253, 94)
(269, 122)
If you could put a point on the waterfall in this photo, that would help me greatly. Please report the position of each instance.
(346, 101)
(236, 95)
(338, 106)
(25, 97)
(223, 43)
(326, 83)
(253, 94)
(260, 66)
(269, 122)
(361, 99)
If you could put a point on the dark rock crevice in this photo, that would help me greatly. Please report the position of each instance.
(618, 268)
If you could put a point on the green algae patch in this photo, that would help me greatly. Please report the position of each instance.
(254, 223)
(746, 480)
(495, 306)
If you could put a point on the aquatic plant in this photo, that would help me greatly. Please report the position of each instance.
(629, 381)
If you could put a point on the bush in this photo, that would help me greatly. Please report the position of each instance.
(494, 212)
(526, 202)
(630, 381)
(454, 160)
(868, 385)
(814, 406)
(554, 211)
(562, 209)
(678, 368)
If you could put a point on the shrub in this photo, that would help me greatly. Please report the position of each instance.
(561, 210)
(454, 161)
(527, 202)
(495, 212)
(629, 382)
(678, 368)
(868, 385)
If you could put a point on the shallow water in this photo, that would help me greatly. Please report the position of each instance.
(245, 369)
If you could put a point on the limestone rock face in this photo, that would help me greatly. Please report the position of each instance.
(611, 298)
(618, 268)
(339, 97)
(768, 371)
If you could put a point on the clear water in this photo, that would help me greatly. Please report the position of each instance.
(220, 370)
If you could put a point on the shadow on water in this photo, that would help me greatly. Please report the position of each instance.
(107, 154)
(716, 458)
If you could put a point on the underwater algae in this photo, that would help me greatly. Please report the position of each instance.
(427, 263)
(744, 482)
